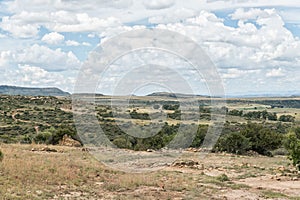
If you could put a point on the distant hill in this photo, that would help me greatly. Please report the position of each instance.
(174, 95)
(28, 91)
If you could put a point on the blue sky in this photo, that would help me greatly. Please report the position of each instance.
(255, 45)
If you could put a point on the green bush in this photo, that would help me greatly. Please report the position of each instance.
(235, 112)
(122, 142)
(286, 118)
(223, 178)
(233, 143)
(262, 139)
(199, 137)
(44, 137)
(54, 135)
(1, 156)
(292, 144)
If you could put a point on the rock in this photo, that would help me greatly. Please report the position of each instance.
(85, 149)
(68, 141)
(252, 153)
(150, 150)
(48, 149)
(281, 168)
(188, 163)
(294, 179)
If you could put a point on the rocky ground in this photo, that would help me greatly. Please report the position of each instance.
(58, 172)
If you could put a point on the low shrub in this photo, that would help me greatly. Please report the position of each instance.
(292, 144)
(223, 178)
(1, 156)
(233, 143)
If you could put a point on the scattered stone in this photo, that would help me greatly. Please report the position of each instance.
(85, 149)
(294, 179)
(150, 150)
(281, 168)
(252, 153)
(189, 164)
(48, 149)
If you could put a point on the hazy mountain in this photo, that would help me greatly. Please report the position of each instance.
(28, 91)
(174, 95)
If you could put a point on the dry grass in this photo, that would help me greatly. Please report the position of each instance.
(72, 173)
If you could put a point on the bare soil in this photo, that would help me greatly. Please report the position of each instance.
(28, 172)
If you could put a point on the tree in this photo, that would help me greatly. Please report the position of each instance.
(292, 144)
(235, 112)
(272, 116)
(233, 143)
(1, 156)
(286, 118)
(199, 137)
(53, 136)
(262, 139)
(122, 142)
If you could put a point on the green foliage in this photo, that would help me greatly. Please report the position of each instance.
(233, 143)
(64, 130)
(286, 118)
(122, 142)
(1, 156)
(175, 115)
(272, 116)
(54, 135)
(156, 106)
(170, 106)
(204, 109)
(136, 115)
(253, 115)
(235, 112)
(262, 139)
(223, 178)
(292, 144)
(45, 137)
(199, 137)
(261, 115)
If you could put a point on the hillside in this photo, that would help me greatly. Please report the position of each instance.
(26, 91)
(173, 95)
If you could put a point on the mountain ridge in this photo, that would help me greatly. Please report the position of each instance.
(32, 91)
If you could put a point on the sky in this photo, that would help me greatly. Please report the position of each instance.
(254, 44)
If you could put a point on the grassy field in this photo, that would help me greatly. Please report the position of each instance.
(29, 172)
(37, 171)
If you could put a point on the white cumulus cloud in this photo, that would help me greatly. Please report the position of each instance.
(276, 73)
(158, 4)
(53, 38)
(28, 75)
(46, 58)
(75, 43)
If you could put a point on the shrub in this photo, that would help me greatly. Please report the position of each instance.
(262, 139)
(54, 135)
(286, 118)
(44, 137)
(222, 178)
(199, 137)
(233, 143)
(280, 152)
(292, 144)
(1, 156)
(122, 142)
(156, 106)
(235, 112)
